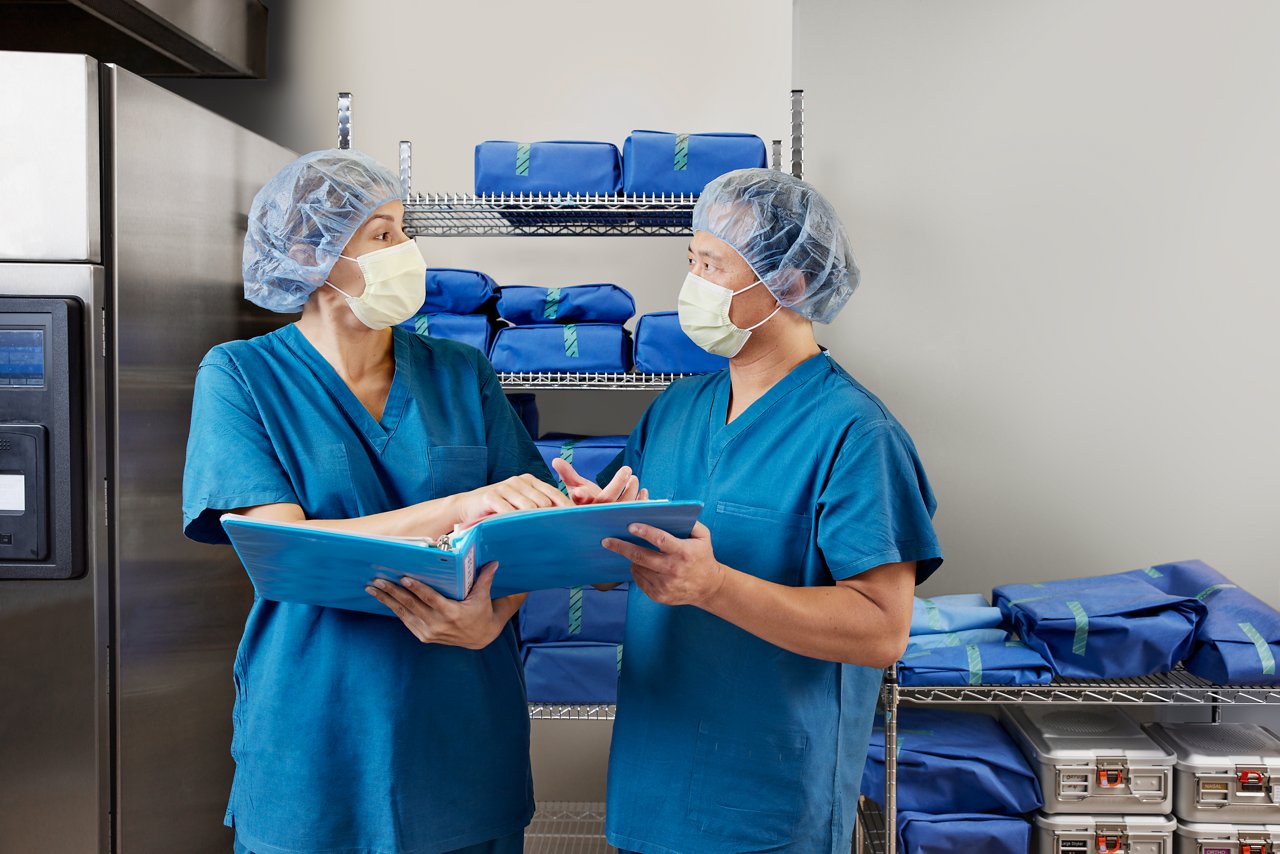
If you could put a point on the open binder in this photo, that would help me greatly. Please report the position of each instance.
(535, 550)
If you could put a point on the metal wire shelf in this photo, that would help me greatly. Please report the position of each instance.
(615, 382)
(870, 837)
(565, 712)
(567, 828)
(1177, 688)
(466, 215)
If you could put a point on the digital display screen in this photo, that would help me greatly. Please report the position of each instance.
(21, 358)
(13, 493)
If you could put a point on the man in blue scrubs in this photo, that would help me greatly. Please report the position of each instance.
(754, 648)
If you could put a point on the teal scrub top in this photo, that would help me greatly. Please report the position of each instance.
(350, 735)
(724, 742)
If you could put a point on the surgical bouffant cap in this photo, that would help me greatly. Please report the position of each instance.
(783, 227)
(303, 217)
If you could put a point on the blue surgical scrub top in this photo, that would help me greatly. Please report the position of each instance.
(723, 741)
(352, 736)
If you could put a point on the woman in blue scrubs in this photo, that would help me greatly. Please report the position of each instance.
(358, 733)
(754, 648)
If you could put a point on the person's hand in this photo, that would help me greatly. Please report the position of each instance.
(472, 623)
(680, 572)
(623, 487)
(522, 492)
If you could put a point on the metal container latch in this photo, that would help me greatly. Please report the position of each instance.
(1112, 840)
(1251, 844)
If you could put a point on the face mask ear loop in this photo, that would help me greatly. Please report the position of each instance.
(344, 293)
(766, 320)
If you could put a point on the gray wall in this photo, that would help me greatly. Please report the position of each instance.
(1066, 218)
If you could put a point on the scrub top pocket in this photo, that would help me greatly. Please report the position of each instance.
(457, 468)
(747, 791)
(331, 464)
(768, 544)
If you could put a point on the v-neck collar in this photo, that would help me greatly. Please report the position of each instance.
(377, 432)
(722, 434)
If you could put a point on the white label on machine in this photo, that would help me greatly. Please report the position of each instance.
(13, 493)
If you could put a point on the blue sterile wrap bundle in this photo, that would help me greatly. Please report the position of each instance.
(576, 614)
(572, 347)
(473, 329)
(1238, 642)
(1108, 627)
(661, 347)
(956, 613)
(919, 833)
(660, 163)
(552, 167)
(572, 672)
(525, 404)
(915, 643)
(603, 303)
(453, 291)
(1008, 663)
(589, 455)
(953, 762)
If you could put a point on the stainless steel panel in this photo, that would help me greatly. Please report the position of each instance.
(232, 31)
(205, 38)
(49, 158)
(54, 735)
(183, 180)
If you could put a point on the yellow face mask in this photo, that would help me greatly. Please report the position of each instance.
(703, 308)
(394, 285)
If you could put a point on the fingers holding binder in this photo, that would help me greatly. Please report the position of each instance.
(674, 571)
(472, 623)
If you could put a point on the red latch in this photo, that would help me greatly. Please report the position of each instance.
(1252, 778)
(1253, 849)
(1109, 844)
(1109, 778)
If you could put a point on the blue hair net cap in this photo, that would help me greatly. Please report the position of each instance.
(788, 233)
(301, 220)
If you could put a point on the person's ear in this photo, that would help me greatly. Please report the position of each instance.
(303, 254)
(788, 286)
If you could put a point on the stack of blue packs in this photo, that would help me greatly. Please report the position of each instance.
(571, 638)
(662, 348)
(571, 642)
(576, 329)
(963, 785)
(1107, 627)
(1238, 641)
(961, 640)
(963, 619)
(458, 306)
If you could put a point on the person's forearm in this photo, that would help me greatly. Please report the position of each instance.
(426, 519)
(828, 623)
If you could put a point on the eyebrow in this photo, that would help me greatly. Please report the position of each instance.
(706, 253)
(387, 217)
